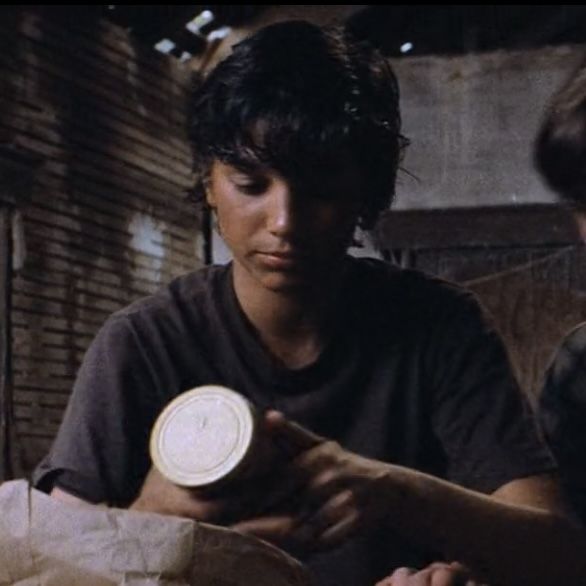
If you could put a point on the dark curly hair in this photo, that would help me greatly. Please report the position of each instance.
(295, 95)
(560, 147)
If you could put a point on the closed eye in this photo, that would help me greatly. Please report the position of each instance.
(252, 188)
(250, 184)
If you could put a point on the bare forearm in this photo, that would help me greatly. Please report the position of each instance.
(507, 545)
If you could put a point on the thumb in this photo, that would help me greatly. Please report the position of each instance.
(290, 433)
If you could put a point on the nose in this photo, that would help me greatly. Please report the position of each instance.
(283, 211)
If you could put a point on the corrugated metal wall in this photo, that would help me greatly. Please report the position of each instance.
(525, 263)
(107, 220)
(535, 295)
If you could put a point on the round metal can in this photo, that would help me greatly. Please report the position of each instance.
(204, 437)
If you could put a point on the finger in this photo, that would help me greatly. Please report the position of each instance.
(158, 495)
(189, 508)
(450, 574)
(337, 508)
(322, 468)
(447, 577)
(444, 566)
(291, 433)
(273, 528)
(299, 485)
(324, 474)
(278, 498)
(283, 531)
(339, 532)
(202, 508)
(400, 577)
(283, 490)
(389, 581)
(421, 578)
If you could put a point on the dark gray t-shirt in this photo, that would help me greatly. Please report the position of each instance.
(413, 375)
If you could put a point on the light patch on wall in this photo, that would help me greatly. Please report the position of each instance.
(147, 238)
(18, 242)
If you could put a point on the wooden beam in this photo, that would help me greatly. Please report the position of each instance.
(495, 226)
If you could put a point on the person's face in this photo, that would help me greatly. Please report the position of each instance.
(285, 236)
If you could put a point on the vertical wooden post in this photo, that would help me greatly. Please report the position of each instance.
(6, 402)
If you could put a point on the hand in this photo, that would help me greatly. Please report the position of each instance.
(338, 493)
(437, 574)
(159, 495)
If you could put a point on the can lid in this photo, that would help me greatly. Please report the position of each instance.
(202, 435)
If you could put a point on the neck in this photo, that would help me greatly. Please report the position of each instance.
(294, 325)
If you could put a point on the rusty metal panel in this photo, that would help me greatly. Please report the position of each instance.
(526, 263)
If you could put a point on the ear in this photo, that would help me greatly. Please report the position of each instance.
(209, 193)
(206, 184)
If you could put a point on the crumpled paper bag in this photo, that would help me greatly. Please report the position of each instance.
(45, 542)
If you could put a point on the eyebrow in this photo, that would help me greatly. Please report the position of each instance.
(248, 166)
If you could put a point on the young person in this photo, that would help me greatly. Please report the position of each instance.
(430, 449)
(560, 156)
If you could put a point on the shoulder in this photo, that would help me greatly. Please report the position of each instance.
(573, 346)
(157, 336)
(566, 374)
(188, 297)
(412, 291)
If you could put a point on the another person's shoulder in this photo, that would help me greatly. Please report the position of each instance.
(562, 399)
(569, 361)
(573, 345)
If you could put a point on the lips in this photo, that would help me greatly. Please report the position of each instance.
(283, 254)
(283, 260)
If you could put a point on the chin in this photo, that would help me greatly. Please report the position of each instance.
(287, 282)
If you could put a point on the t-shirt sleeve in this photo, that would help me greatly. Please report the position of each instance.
(100, 453)
(562, 414)
(484, 423)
